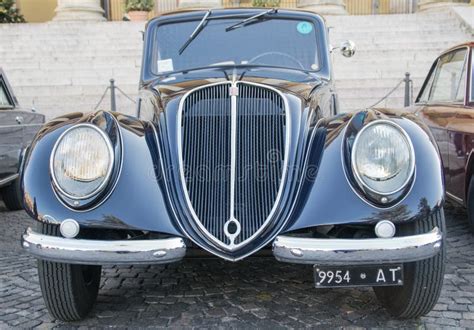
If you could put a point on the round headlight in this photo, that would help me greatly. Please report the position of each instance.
(383, 159)
(82, 161)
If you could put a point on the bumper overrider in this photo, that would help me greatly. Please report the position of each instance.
(285, 249)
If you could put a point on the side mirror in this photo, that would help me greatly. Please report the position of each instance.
(347, 48)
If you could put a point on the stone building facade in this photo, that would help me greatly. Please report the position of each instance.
(92, 10)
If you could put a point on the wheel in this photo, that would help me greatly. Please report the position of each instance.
(12, 196)
(470, 204)
(422, 279)
(69, 291)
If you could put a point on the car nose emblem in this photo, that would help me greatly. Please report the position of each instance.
(233, 91)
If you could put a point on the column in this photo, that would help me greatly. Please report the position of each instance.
(200, 4)
(79, 10)
(324, 7)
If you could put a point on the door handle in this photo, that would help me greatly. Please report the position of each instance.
(19, 120)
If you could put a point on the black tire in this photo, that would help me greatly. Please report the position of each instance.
(69, 291)
(470, 204)
(12, 196)
(423, 279)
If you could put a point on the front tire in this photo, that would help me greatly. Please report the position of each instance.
(423, 279)
(69, 291)
(12, 196)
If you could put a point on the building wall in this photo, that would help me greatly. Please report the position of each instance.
(117, 8)
(37, 10)
(354, 7)
(43, 10)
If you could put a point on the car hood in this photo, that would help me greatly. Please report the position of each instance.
(287, 81)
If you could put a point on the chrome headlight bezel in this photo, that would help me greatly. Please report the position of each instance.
(110, 167)
(411, 170)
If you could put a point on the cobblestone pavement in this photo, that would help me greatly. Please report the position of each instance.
(213, 293)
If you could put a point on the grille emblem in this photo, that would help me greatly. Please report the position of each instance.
(233, 91)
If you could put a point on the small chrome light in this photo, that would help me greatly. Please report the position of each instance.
(69, 228)
(385, 229)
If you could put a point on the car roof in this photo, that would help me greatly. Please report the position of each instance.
(469, 44)
(239, 10)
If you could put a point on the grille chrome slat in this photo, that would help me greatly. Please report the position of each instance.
(253, 162)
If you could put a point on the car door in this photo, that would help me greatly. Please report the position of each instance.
(17, 129)
(439, 104)
(10, 133)
(461, 134)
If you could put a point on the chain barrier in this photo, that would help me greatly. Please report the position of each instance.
(112, 88)
(407, 99)
(408, 91)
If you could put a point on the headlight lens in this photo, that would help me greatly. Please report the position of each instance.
(383, 158)
(82, 161)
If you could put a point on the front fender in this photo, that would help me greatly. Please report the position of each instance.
(137, 201)
(331, 198)
(139, 197)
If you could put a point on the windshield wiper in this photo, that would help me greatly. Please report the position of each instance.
(196, 31)
(252, 18)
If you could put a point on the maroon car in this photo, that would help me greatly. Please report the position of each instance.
(446, 104)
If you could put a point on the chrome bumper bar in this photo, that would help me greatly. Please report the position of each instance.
(95, 252)
(8, 179)
(357, 251)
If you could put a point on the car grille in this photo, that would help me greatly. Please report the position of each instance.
(206, 153)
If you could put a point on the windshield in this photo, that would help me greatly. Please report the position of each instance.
(279, 42)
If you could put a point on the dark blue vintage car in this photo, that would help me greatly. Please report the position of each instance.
(238, 145)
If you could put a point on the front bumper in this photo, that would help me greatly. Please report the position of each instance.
(357, 251)
(95, 252)
(285, 248)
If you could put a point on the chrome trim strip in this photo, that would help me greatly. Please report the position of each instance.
(109, 169)
(9, 179)
(99, 252)
(455, 198)
(357, 251)
(232, 246)
(233, 162)
(21, 125)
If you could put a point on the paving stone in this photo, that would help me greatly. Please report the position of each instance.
(468, 315)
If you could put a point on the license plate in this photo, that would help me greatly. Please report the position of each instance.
(351, 276)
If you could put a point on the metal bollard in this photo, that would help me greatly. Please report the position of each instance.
(113, 105)
(407, 89)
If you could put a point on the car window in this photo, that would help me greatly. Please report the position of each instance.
(4, 100)
(448, 77)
